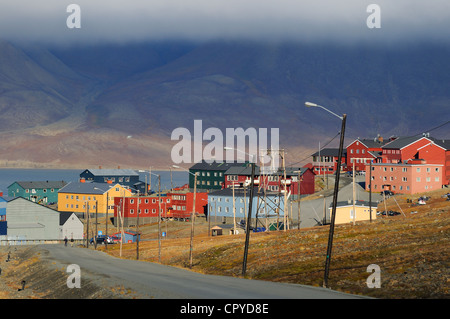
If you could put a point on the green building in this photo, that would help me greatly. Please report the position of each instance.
(44, 192)
(210, 176)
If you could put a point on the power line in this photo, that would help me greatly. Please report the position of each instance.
(326, 144)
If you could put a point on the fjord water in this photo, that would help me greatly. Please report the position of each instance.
(11, 175)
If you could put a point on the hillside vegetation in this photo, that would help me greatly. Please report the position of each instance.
(411, 249)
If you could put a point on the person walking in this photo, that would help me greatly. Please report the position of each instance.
(65, 241)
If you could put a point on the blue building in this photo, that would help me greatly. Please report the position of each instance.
(221, 204)
(125, 177)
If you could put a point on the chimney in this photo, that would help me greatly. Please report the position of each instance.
(380, 138)
(118, 167)
(99, 167)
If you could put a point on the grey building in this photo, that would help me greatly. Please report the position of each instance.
(27, 220)
(70, 226)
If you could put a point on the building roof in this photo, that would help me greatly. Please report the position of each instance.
(329, 152)
(112, 172)
(86, 188)
(239, 192)
(64, 216)
(40, 184)
(215, 166)
(371, 142)
(357, 203)
(239, 170)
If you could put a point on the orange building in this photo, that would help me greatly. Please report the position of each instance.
(415, 176)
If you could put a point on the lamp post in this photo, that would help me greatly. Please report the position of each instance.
(192, 216)
(249, 214)
(159, 216)
(335, 193)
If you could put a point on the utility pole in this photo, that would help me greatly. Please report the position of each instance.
(96, 231)
(192, 222)
(370, 191)
(159, 218)
(234, 212)
(106, 220)
(298, 191)
(249, 218)
(137, 227)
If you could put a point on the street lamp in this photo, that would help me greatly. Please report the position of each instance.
(159, 216)
(335, 193)
(193, 214)
(249, 214)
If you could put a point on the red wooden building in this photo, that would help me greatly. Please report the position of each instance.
(177, 205)
(362, 151)
(325, 161)
(241, 176)
(429, 149)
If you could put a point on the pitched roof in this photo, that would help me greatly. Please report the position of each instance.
(329, 152)
(239, 170)
(64, 216)
(40, 184)
(240, 192)
(357, 203)
(371, 142)
(215, 166)
(403, 141)
(112, 172)
(86, 188)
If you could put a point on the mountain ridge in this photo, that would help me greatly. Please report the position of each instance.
(56, 103)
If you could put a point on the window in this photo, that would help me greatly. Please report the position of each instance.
(404, 179)
(418, 169)
(436, 179)
(146, 211)
(44, 190)
(428, 179)
(131, 211)
(404, 169)
(437, 169)
(428, 169)
(418, 179)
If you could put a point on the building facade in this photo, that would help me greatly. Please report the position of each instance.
(126, 177)
(429, 149)
(325, 161)
(221, 204)
(346, 212)
(31, 221)
(44, 192)
(176, 205)
(241, 176)
(210, 176)
(361, 151)
(405, 178)
(81, 198)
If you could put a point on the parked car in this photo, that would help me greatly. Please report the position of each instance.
(387, 193)
(102, 238)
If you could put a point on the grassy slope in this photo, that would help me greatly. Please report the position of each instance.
(412, 252)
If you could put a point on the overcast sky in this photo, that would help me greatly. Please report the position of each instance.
(342, 20)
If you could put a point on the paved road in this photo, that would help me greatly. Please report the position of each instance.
(158, 281)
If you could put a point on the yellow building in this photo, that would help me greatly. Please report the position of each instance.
(82, 197)
(345, 214)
